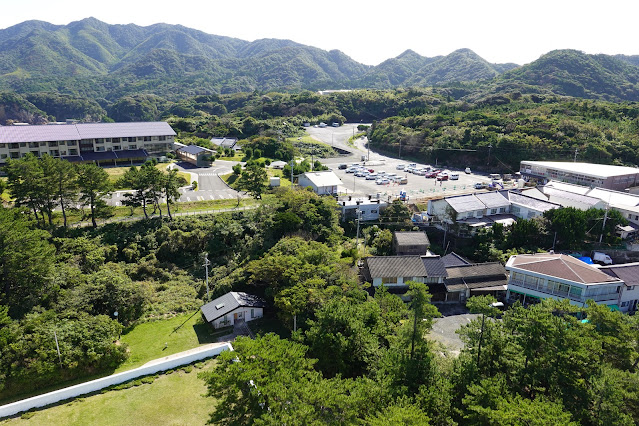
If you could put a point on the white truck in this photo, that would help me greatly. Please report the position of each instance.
(601, 258)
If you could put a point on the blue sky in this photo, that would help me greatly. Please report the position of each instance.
(371, 31)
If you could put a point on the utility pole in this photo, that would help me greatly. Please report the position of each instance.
(576, 152)
(206, 268)
(292, 167)
(603, 225)
(489, 148)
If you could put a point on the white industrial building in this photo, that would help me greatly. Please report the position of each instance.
(587, 174)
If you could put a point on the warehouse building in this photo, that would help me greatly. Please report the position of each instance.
(102, 143)
(587, 174)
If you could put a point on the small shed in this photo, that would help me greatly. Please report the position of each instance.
(196, 155)
(278, 164)
(233, 307)
(406, 243)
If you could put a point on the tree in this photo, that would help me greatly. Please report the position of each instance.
(135, 179)
(26, 257)
(253, 180)
(237, 169)
(64, 178)
(570, 224)
(25, 180)
(94, 186)
(170, 186)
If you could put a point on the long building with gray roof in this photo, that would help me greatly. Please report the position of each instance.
(87, 142)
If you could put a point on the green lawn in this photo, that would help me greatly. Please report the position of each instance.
(172, 399)
(116, 173)
(147, 340)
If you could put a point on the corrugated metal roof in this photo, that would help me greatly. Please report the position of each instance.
(492, 269)
(628, 273)
(586, 169)
(531, 203)
(584, 199)
(325, 178)
(395, 266)
(228, 302)
(465, 203)
(193, 149)
(493, 200)
(62, 132)
(434, 266)
(453, 259)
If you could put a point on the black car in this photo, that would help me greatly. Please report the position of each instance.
(343, 166)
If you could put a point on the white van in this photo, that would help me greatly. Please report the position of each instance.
(454, 176)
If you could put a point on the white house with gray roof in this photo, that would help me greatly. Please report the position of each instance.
(396, 271)
(102, 143)
(323, 182)
(233, 307)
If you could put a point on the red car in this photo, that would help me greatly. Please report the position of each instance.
(443, 176)
(432, 173)
(371, 171)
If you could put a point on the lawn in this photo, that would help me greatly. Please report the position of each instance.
(116, 173)
(231, 178)
(156, 339)
(172, 399)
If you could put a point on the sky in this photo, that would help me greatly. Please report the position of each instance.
(370, 32)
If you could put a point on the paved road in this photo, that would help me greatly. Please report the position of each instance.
(444, 331)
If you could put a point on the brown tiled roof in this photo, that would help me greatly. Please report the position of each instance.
(560, 266)
(628, 273)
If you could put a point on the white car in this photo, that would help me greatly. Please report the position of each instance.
(400, 167)
(454, 176)
(420, 172)
(371, 176)
(361, 173)
(382, 181)
(351, 170)
(391, 175)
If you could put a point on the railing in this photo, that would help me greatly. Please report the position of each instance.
(564, 294)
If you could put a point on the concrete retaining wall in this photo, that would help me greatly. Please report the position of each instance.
(152, 367)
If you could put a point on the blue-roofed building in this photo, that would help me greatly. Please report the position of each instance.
(196, 155)
(101, 143)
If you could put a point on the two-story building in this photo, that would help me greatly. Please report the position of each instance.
(558, 276)
(629, 274)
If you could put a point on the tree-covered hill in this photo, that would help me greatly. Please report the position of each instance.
(574, 73)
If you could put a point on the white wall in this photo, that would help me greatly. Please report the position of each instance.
(95, 385)
(243, 313)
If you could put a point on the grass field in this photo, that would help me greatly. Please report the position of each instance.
(116, 173)
(172, 399)
(231, 178)
(147, 340)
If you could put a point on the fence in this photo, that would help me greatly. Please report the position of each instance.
(152, 367)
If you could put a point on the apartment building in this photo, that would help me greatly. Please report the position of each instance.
(102, 143)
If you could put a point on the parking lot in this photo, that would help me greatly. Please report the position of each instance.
(416, 187)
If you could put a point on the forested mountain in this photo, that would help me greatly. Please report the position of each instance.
(574, 73)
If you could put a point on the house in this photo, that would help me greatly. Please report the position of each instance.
(477, 279)
(629, 274)
(453, 259)
(527, 207)
(558, 276)
(322, 183)
(233, 307)
(396, 271)
(368, 209)
(98, 143)
(407, 243)
(196, 155)
(463, 207)
(278, 164)
(226, 143)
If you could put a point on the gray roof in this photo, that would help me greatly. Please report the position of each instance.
(62, 132)
(477, 270)
(224, 142)
(411, 238)
(628, 273)
(229, 302)
(405, 266)
(453, 259)
(531, 203)
(584, 199)
(465, 203)
(492, 199)
(434, 266)
(193, 149)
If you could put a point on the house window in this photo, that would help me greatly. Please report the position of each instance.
(502, 209)
(624, 304)
(531, 215)
(116, 147)
(100, 140)
(162, 138)
(493, 211)
(389, 280)
(15, 154)
(147, 139)
(3, 155)
(116, 140)
(73, 152)
(133, 147)
(24, 144)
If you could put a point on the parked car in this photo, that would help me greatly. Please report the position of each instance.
(495, 176)
(467, 170)
(400, 167)
(382, 181)
(371, 171)
(480, 185)
(454, 176)
(343, 166)
(432, 173)
(361, 173)
(413, 165)
(402, 180)
(391, 175)
(351, 170)
(420, 172)
(371, 176)
(442, 176)
(601, 258)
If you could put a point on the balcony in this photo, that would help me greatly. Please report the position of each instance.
(565, 294)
